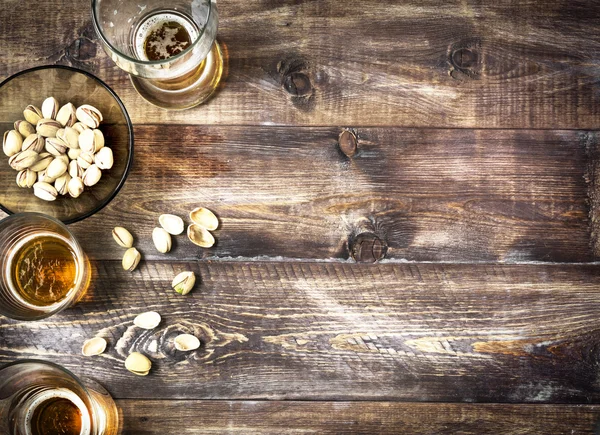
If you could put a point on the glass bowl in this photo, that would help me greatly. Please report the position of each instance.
(66, 84)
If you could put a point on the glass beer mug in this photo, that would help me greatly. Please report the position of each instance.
(168, 47)
(39, 398)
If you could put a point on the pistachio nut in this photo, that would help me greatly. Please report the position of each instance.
(104, 158)
(171, 223)
(205, 218)
(62, 183)
(43, 177)
(200, 236)
(131, 259)
(56, 168)
(162, 240)
(45, 191)
(85, 160)
(32, 114)
(89, 115)
(23, 160)
(75, 187)
(12, 143)
(69, 136)
(50, 108)
(55, 146)
(91, 141)
(186, 342)
(44, 159)
(64, 158)
(79, 127)
(26, 178)
(92, 175)
(184, 282)
(122, 237)
(73, 153)
(75, 170)
(48, 127)
(24, 128)
(148, 320)
(138, 364)
(66, 115)
(34, 142)
(94, 346)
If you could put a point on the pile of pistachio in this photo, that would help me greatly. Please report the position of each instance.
(57, 150)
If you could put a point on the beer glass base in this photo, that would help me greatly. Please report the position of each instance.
(185, 92)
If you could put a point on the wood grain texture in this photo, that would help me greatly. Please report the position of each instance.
(148, 417)
(457, 333)
(515, 64)
(429, 195)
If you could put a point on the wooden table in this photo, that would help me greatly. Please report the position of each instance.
(470, 176)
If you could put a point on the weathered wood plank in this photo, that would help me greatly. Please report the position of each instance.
(515, 64)
(147, 417)
(430, 195)
(469, 333)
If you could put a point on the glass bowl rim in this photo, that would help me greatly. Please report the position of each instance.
(114, 193)
(128, 58)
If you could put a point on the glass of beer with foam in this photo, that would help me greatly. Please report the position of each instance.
(168, 47)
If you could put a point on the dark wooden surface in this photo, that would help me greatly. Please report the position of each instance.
(473, 180)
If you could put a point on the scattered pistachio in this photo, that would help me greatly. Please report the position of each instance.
(131, 259)
(89, 115)
(171, 223)
(122, 237)
(205, 218)
(66, 115)
(186, 342)
(148, 320)
(184, 282)
(44, 191)
(50, 108)
(200, 236)
(32, 114)
(12, 143)
(138, 364)
(75, 187)
(162, 240)
(94, 346)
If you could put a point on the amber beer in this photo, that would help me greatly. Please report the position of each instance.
(56, 412)
(163, 35)
(42, 269)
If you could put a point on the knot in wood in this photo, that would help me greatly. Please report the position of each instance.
(348, 143)
(82, 49)
(368, 248)
(465, 58)
(297, 84)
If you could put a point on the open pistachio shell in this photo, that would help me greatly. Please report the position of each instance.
(94, 346)
(171, 223)
(149, 320)
(186, 342)
(200, 236)
(138, 364)
(205, 218)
